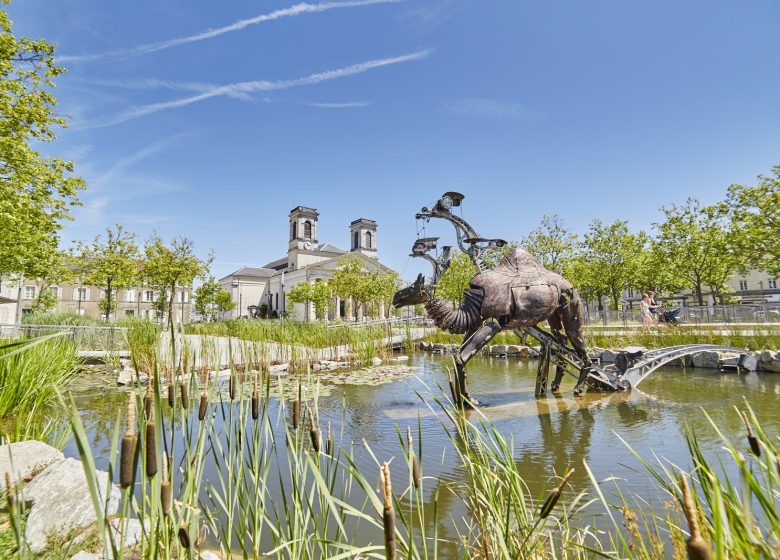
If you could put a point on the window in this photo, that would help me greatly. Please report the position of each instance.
(368, 240)
(183, 297)
(295, 230)
(29, 292)
(356, 240)
(129, 313)
(277, 300)
(149, 296)
(130, 296)
(55, 291)
(27, 311)
(772, 283)
(743, 285)
(307, 229)
(80, 294)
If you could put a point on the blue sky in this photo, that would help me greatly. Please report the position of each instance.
(213, 119)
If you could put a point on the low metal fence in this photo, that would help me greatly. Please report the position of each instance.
(86, 338)
(718, 314)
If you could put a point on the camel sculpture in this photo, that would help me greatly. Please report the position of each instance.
(518, 293)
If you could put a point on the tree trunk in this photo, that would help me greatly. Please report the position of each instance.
(699, 295)
(108, 301)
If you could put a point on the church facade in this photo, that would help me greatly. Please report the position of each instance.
(307, 260)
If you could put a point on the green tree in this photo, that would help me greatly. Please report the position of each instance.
(367, 288)
(456, 278)
(224, 301)
(207, 296)
(696, 248)
(755, 218)
(36, 192)
(110, 263)
(168, 267)
(610, 259)
(551, 243)
(54, 268)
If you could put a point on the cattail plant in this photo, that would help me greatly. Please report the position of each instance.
(171, 393)
(453, 388)
(184, 536)
(255, 400)
(129, 442)
(328, 442)
(204, 400)
(752, 439)
(185, 394)
(149, 397)
(697, 547)
(151, 446)
(552, 498)
(165, 487)
(388, 513)
(296, 410)
(314, 431)
(413, 459)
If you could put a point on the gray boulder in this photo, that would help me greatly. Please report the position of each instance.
(707, 359)
(498, 350)
(769, 361)
(61, 500)
(28, 457)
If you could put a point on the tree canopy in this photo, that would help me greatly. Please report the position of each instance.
(36, 191)
(551, 243)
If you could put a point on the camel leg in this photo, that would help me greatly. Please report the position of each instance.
(468, 349)
(556, 326)
(542, 371)
(573, 319)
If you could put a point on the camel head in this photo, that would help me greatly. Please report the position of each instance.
(412, 295)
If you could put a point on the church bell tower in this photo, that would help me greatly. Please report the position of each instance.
(303, 234)
(362, 234)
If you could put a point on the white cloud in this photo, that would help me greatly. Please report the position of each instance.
(492, 109)
(296, 10)
(257, 86)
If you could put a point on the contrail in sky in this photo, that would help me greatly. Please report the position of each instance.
(296, 10)
(236, 89)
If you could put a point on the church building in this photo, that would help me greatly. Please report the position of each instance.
(307, 260)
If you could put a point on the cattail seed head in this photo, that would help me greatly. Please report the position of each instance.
(388, 513)
(165, 487)
(255, 405)
(314, 431)
(185, 395)
(151, 448)
(416, 479)
(171, 394)
(752, 439)
(328, 442)
(232, 385)
(552, 498)
(296, 413)
(697, 547)
(184, 536)
(204, 401)
(148, 397)
(129, 441)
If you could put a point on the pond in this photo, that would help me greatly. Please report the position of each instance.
(548, 435)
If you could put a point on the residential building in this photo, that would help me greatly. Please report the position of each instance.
(307, 260)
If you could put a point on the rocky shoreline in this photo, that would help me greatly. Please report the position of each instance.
(766, 360)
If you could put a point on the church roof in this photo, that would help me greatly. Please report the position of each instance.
(278, 264)
(330, 248)
(264, 272)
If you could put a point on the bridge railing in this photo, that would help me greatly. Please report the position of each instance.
(107, 338)
(718, 314)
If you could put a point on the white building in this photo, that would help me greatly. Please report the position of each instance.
(307, 260)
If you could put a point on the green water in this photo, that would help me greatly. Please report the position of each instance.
(548, 435)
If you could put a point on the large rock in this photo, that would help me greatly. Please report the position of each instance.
(769, 361)
(707, 359)
(376, 361)
(498, 350)
(27, 457)
(61, 500)
(280, 369)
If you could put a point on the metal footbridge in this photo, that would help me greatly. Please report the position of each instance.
(629, 369)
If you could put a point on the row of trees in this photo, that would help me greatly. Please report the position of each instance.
(115, 261)
(351, 281)
(694, 247)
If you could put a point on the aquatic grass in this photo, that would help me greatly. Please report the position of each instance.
(32, 370)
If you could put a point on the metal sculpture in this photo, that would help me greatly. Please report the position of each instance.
(518, 293)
